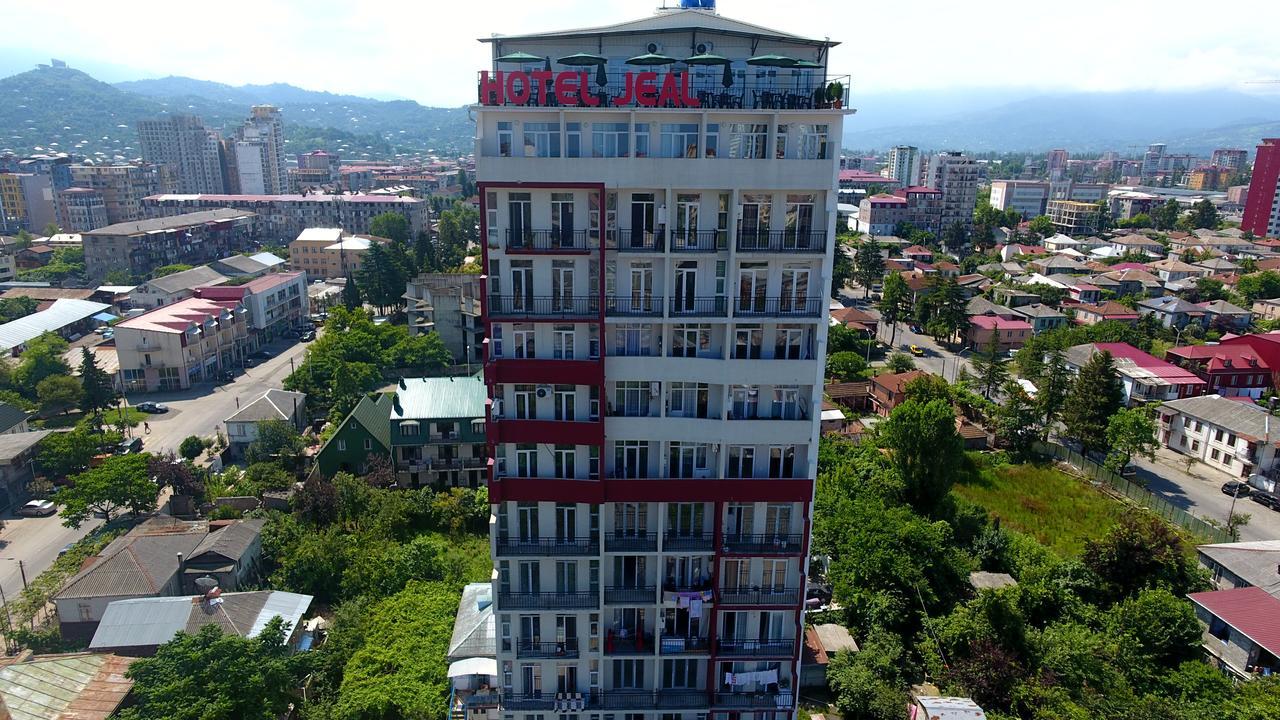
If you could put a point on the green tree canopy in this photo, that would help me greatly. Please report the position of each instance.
(868, 264)
(121, 482)
(925, 448)
(62, 453)
(1041, 226)
(1259, 286)
(99, 392)
(845, 366)
(58, 394)
(42, 358)
(390, 225)
(1092, 400)
(895, 303)
(277, 441)
(1131, 432)
(1141, 551)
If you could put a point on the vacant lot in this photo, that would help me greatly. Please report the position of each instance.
(1058, 510)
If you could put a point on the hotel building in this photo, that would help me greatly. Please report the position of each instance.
(658, 221)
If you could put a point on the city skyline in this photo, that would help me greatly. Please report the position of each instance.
(384, 60)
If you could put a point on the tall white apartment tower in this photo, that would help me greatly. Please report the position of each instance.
(904, 165)
(658, 207)
(259, 153)
(190, 148)
(955, 175)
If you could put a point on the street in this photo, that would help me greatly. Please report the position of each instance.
(936, 359)
(36, 541)
(1201, 494)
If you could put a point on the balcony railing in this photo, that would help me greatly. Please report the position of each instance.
(631, 542)
(567, 648)
(579, 546)
(633, 644)
(510, 600)
(682, 645)
(780, 700)
(789, 241)
(548, 240)
(482, 699)
(524, 306)
(648, 306)
(618, 595)
(651, 699)
(755, 648)
(690, 241)
(763, 544)
(637, 241)
(699, 306)
(695, 542)
(757, 596)
(785, 306)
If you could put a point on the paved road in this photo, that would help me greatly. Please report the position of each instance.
(1201, 494)
(937, 359)
(36, 541)
(201, 409)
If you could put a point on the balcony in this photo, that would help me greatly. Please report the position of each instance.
(699, 306)
(510, 600)
(631, 542)
(482, 700)
(695, 542)
(785, 306)
(755, 648)
(567, 649)
(779, 700)
(757, 596)
(651, 699)
(674, 645)
(620, 595)
(547, 547)
(700, 241)
(648, 306)
(790, 241)
(544, 306)
(763, 544)
(632, 644)
(548, 241)
(637, 241)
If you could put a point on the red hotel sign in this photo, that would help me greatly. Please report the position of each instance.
(575, 89)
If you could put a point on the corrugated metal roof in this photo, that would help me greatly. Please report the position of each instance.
(373, 413)
(267, 259)
(430, 398)
(289, 606)
(1253, 562)
(473, 628)
(196, 277)
(1245, 419)
(175, 222)
(63, 312)
(83, 686)
(274, 404)
(11, 415)
(142, 565)
(144, 622)
(230, 542)
(14, 444)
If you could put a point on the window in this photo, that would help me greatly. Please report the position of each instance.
(609, 140)
(642, 139)
(573, 140)
(679, 674)
(691, 341)
(527, 460)
(525, 402)
(747, 140)
(678, 140)
(813, 142)
(688, 400)
(742, 461)
(542, 139)
(713, 139)
(562, 347)
(628, 674)
(524, 341)
(631, 398)
(688, 460)
(504, 139)
(1213, 454)
(368, 444)
(342, 445)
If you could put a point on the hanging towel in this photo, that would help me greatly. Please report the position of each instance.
(695, 607)
(682, 600)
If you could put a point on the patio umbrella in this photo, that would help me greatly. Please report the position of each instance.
(519, 57)
(706, 59)
(772, 61)
(806, 64)
(602, 78)
(582, 60)
(727, 80)
(650, 59)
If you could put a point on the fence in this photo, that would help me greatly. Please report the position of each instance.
(1135, 492)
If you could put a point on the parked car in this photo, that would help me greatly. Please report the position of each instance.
(290, 333)
(308, 335)
(250, 362)
(260, 355)
(66, 549)
(38, 508)
(131, 445)
(153, 408)
(1236, 488)
(1265, 499)
(915, 350)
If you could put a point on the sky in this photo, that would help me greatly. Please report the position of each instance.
(427, 50)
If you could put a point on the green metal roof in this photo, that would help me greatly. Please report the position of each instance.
(431, 398)
(372, 413)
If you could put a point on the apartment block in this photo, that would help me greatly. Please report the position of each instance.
(138, 247)
(657, 254)
(1073, 217)
(259, 153)
(276, 302)
(284, 217)
(81, 210)
(448, 304)
(1262, 208)
(955, 175)
(904, 165)
(124, 186)
(26, 202)
(190, 341)
(328, 252)
(1231, 160)
(193, 151)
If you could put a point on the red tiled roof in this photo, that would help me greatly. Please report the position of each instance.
(995, 322)
(853, 315)
(1252, 611)
(917, 250)
(1222, 358)
(1162, 369)
(1109, 308)
(854, 175)
(1130, 266)
(895, 383)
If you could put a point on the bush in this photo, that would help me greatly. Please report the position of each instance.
(191, 447)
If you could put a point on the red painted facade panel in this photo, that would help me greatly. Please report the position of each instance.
(1262, 188)
(650, 490)
(551, 432)
(570, 372)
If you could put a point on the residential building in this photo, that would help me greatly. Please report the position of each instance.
(1262, 209)
(1243, 564)
(1172, 312)
(26, 201)
(173, 346)
(259, 154)
(1073, 217)
(1109, 310)
(283, 405)
(1222, 315)
(123, 187)
(81, 209)
(1008, 334)
(1144, 377)
(438, 431)
(1240, 635)
(1238, 195)
(890, 390)
(904, 165)
(192, 150)
(1267, 309)
(1230, 369)
(1171, 270)
(1058, 265)
(473, 651)
(275, 303)
(13, 419)
(1042, 317)
(169, 289)
(1056, 163)
(449, 305)
(33, 256)
(1138, 243)
(138, 627)
(1027, 197)
(1206, 178)
(246, 267)
(880, 214)
(955, 175)
(283, 217)
(140, 246)
(328, 253)
(365, 431)
(651, 496)
(855, 319)
(1225, 434)
(1230, 159)
(853, 179)
(17, 455)
(8, 264)
(1130, 281)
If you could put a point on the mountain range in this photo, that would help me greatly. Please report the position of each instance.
(61, 108)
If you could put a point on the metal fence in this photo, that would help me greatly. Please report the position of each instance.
(1137, 493)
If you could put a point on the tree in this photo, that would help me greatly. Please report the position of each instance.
(50, 229)
(845, 366)
(120, 482)
(58, 394)
(42, 358)
(869, 684)
(1141, 551)
(1055, 383)
(1165, 217)
(1041, 226)
(191, 448)
(900, 362)
(1259, 286)
(459, 231)
(842, 270)
(991, 366)
(1204, 214)
(955, 236)
(1017, 420)
(317, 501)
(868, 264)
(1131, 432)
(181, 477)
(99, 392)
(209, 675)
(1209, 289)
(351, 294)
(382, 278)
(1093, 399)
(895, 303)
(63, 453)
(173, 269)
(925, 449)
(422, 250)
(278, 440)
(947, 309)
(390, 225)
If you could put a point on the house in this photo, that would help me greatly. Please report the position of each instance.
(1138, 243)
(1059, 242)
(276, 303)
(1042, 317)
(979, 305)
(1170, 270)
(973, 284)
(1225, 434)
(856, 319)
(13, 419)
(821, 643)
(448, 304)
(173, 346)
(240, 266)
(1008, 334)
(284, 405)
(17, 453)
(1106, 311)
(1013, 297)
(34, 256)
(438, 430)
(1230, 369)
(1267, 309)
(1172, 312)
(1144, 377)
(177, 286)
(230, 553)
(1241, 635)
(1131, 281)
(1058, 265)
(473, 651)
(1243, 564)
(366, 430)
(889, 390)
(67, 686)
(918, 253)
(1081, 291)
(1215, 266)
(853, 395)
(1222, 315)
(138, 627)
(1013, 250)
(926, 707)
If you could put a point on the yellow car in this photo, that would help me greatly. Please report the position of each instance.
(915, 350)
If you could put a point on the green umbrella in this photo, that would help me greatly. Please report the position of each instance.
(602, 78)
(772, 61)
(519, 57)
(650, 59)
(706, 59)
(806, 64)
(582, 59)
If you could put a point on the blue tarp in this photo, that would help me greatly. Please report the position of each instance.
(105, 317)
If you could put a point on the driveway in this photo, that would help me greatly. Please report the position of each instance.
(36, 542)
(201, 409)
(1200, 492)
